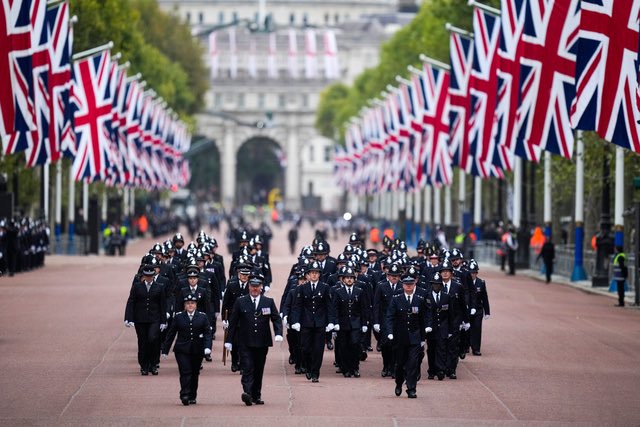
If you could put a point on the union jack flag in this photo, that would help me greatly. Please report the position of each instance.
(607, 71)
(461, 59)
(93, 103)
(483, 88)
(509, 53)
(17, 21)
(547, 78)
(39, 148)
(436, 83)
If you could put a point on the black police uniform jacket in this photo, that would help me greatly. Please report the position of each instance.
(442, 316)
(481, 297)
(350, 312)
(233, 292)
(193, 335)
(249, 326)
(311, 309)
(201, 292)
(381, 301)
(407, 322)
(146, 307)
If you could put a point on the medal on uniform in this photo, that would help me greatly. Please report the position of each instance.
(266, 311)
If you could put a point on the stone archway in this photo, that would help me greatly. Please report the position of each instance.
(205, 166)
(258, 170)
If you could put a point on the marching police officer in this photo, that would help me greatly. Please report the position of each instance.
(249, 328)
(146, 308)
(310, 316)
(408, 324)
(193, 343)
(381, 301)
(483, 310)
(442, 323)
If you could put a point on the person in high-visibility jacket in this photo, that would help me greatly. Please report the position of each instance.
(620, 273)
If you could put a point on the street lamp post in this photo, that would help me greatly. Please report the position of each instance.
(604, 240)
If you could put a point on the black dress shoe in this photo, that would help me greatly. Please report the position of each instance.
(192, 402)
(258, 402)
(329, 345)
(398, 390)
(356, 374)
(431, 376)
(291, 361)
(477, 353)
(308, 375)
(369, 348)
(298, 371)
(347, 374)
(315, 380)
(144, 372)
(378, 347)
(453, 376)
(384, 373)
(411, 394)
(234, 368)
(463, 355)
(246, 398)
(440, 376)
(185, 402)
(208, 358)
(339, 371)
(154, 371)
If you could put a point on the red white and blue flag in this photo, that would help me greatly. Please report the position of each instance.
(547, 78)
(509, 53)
(461, 60)
(93, 104)
(607, 71)
(483, 89)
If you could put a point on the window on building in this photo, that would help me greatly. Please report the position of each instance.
(235, 16)
(188, 17)
(305, 19)
(292, 18)
(241, 100)
(305, 100)
(261, 101)
(200, 17)
(221, 17)
(327, 153)
(326, 18)
(282, 101)
(310, 186)
(312, 154)
(336, 18)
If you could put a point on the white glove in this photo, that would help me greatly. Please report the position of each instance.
(207, 351)
(267, 289)
(390, 337)
(461, 327)
(296, 327)
(128, 324)
(466, 326)
(449, 336)
(329, 327)
(428, 329)
(1, 255)
(376, 327)
(473, 311)
(165, 356)
(228, 346)
(168, 315)
(364, 329)
(216, 315)
(422, 343)
(284, 321)
(336, 328)
(163, 326)
(278, 338)
(225, 324)
(486, 316)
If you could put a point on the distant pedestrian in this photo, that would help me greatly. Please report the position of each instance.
(293, 238)
(620, 273)
(548, 255)
(512, 247)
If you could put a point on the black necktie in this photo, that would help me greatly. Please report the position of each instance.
(409, 299)
(313, 288)
(438, 298)
(255, 303)
(349, 291)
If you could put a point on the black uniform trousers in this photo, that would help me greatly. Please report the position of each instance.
(465, 340)
(436, 354)
(293, 340)
(148, 344)
(252, 360)
(349, 343)
(453, 352)
(620, 286)
(312, 341)
(407, 364)
(388, 356)
(189, 368)
(476, 330)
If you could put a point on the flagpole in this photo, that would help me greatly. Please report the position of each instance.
(458, 30)
(618, 219)
(58, 206)
(71, 212)
(437, 207)
(92, 51)
(428, 215)
(45, 192)
(434, 62)
(517, 192)
(547, 194)
(477, 205)
(578, 268)
(484, 7)
(417, 211)
(447, 205)
(462, 194)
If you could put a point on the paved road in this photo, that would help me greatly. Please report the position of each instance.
(551, 354)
